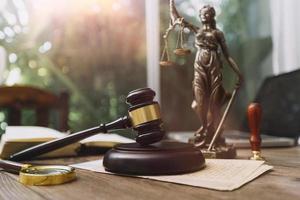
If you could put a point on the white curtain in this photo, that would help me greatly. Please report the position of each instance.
(152, 32)
(285, 15)
(2, 63)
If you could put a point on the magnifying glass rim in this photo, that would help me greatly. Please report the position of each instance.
(28, 178)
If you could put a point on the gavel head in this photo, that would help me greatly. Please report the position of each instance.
(145, 116)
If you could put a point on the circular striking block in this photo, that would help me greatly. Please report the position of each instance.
(162, 158)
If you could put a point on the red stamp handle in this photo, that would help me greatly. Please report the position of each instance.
(254, 120)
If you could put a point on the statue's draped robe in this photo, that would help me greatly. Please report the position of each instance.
(207, 72)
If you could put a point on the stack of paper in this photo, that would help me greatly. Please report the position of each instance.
(219, 174)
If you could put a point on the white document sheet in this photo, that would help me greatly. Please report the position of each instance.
(219, 174)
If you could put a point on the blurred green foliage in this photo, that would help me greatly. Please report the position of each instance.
(95, 50)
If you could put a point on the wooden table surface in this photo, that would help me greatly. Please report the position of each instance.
(282, 183)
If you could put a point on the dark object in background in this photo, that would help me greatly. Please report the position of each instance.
(279, 97)
(16, 98)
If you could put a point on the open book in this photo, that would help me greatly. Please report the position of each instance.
(17, 138)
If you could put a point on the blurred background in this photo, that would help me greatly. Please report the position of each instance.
(90, 48)
(99, 50)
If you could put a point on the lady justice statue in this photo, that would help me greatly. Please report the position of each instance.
(209, 93)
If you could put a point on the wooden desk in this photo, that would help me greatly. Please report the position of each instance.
(282, 183)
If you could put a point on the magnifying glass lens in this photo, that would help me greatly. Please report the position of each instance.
(46, 171)
(47, 175)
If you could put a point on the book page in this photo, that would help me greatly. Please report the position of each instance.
(18, 138)
(219, 174)
(105, 140)
(30, 133)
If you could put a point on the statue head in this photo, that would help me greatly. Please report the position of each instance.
(207, 14)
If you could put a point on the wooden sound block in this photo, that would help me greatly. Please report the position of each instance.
(162, 158)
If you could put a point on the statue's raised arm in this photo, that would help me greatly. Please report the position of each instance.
(176, 19)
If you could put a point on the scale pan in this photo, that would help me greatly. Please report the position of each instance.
(182, 51)
(167, 64)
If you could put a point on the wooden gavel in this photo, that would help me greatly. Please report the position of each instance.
(143, 116)
(254, 120)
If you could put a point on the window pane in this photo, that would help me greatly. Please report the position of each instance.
(94, 49)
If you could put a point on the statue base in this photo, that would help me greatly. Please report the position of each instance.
(221, 152)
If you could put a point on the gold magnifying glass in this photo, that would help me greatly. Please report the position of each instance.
(39, 175)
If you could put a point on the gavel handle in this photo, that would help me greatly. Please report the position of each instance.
(12, 167)
(52, 145)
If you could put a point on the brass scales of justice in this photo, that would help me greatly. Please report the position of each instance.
(209, 94)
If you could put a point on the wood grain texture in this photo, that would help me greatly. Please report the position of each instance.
(11, 189)
(281, 183)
